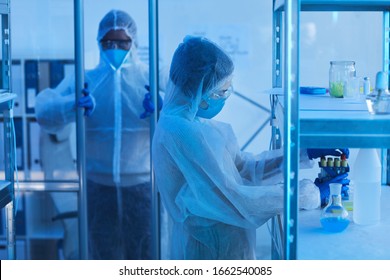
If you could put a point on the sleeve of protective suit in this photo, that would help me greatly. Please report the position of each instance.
(55, 108)
(267, 167)
(213, 187)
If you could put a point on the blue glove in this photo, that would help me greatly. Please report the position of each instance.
(316, 153)
(87, 101)
(148, 104)
(325, 190)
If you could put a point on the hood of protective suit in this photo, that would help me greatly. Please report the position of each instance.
(118, 20)
(115, 20)
(198, 68)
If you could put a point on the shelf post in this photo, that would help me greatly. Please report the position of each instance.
(385, 153)
(80, 127)
(291, 124)
(154, 87)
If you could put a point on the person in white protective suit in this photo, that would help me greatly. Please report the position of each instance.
(117, 141)
(215, 194)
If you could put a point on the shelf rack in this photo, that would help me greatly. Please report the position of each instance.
(7, 185)
(311, 129)
(6, 108)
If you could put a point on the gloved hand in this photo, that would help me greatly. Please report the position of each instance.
(316, 153)
(325, 190)
(87, 101)
(148, 104)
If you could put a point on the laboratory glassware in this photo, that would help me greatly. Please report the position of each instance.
(378, 102)
(334, 217)
(339, 74)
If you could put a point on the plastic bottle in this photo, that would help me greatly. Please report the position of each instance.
(366, 86)
(334, 217)
(367, 189)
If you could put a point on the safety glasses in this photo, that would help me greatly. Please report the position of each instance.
(118, 44)
(222, 94)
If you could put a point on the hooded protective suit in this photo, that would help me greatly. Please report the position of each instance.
(117, 142)
(215, 194)
(116, 146)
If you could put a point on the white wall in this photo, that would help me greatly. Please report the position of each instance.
(44, 29)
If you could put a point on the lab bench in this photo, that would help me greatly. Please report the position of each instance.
(356, 242)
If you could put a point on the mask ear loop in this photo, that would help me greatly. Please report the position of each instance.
(201, 98)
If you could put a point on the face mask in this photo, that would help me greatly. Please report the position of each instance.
(215, 106)
(116, 57)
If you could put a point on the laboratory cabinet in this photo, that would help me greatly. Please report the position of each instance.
(39, 190)
(308, 125)
(37, 235)
(29, 77)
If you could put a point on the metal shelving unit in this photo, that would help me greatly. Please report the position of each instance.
(311, 129)
(7, 185)
(6, 108)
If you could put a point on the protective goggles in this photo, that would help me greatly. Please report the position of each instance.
(222, 94)
(118, 44)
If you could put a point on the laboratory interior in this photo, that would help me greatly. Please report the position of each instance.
(310, 83)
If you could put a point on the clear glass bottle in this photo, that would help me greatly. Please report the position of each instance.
(334, 217)
(339, 74)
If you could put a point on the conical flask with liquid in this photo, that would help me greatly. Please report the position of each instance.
(334, 217)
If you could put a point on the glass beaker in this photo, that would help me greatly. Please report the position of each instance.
(339, 74)
(334, 217)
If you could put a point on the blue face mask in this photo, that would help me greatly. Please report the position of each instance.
(214, 107)
(116, 57)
